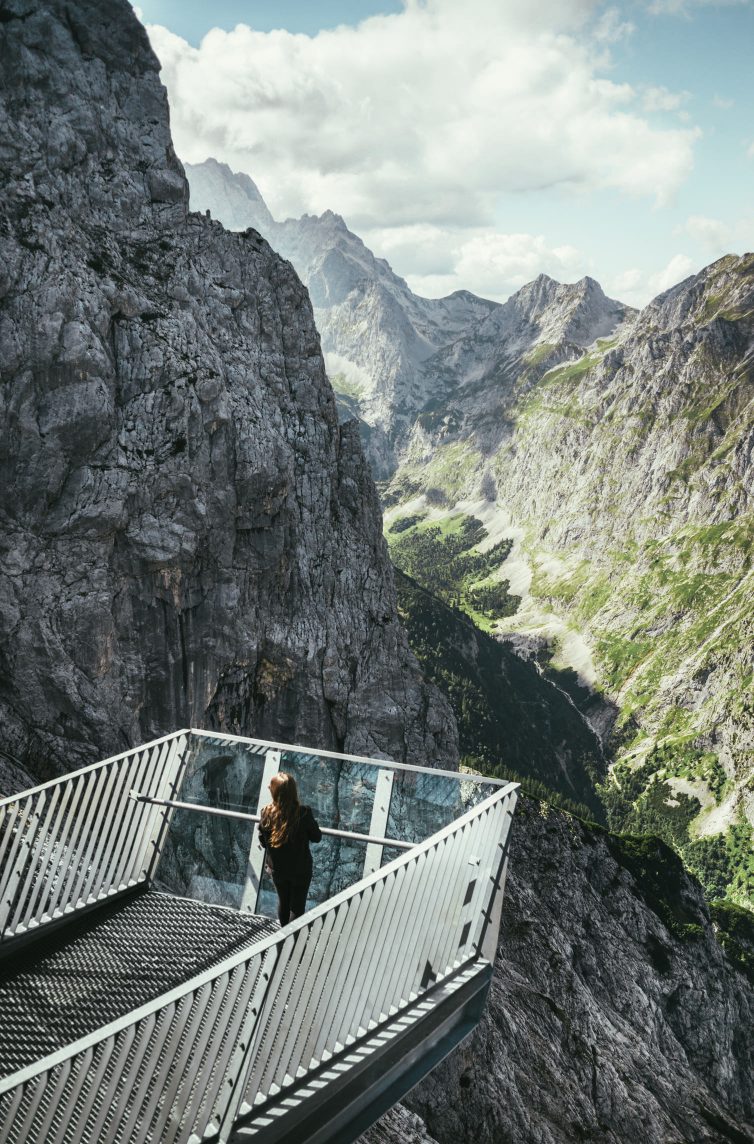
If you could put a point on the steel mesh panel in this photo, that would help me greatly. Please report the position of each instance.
(121, 959)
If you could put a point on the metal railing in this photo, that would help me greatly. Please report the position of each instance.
(242, 816)
(78, 840)
(251, 1030)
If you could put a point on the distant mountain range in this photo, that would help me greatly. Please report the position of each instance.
(189, 537)
(613, 448)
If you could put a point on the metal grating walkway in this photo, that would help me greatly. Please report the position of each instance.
(109, 964)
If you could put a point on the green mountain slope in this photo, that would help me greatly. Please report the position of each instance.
(512, 722)
(624, 482)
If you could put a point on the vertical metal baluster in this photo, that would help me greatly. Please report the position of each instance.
(26, 864)
(11, 827)
(106, 1091)
(122, 853)
(354, 966)
(17, 860)
(143, 817)
(290, 1030)
(139, 1074)
(275, 1019)
(117, 836)
(248, 1046)
(58, 900)
(324, 982)
(98, 828)
(369, 954)
(224, 1095)
(160, 1058)
(311, 968)
(478, 871)
(406, 972)
(149, 1047)
(35, 907)
(419, 902)
(190, 1016)
(159, 780)
(212, 1006)
(38, 859)
(91, 887)
(89, 843)
(438, 874)
(26, 1126)
(8, 815)
(76, 836)
(9, 1117)
(93, 1086)
(258, 1053)
(115, 1108)
(442, 917)
(488, 937)
(80, 1066)
(380, 973)
(447, 936)
(48, 1132)
(485, 885)
(192, 1086)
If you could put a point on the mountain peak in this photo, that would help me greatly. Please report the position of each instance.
(577, 312)
(590, 284)
(335, 219)
(232, 196)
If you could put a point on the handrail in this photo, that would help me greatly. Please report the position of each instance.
(186, 1064)
(267, 943)
(67, 844)
(243, 816)
(390, 764)
(75, 842)
(93, 766)
(266, 744)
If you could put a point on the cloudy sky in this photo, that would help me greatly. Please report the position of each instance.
(477, 143)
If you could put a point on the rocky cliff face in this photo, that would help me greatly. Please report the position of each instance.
(634, 467)
(188, 536)
(614, 1014)
(511, 722)
(376, 333)
(623, 475)
(614, 450)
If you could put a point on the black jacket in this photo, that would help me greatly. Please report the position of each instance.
(293, 860)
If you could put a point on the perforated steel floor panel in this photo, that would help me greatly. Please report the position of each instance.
(113, 962)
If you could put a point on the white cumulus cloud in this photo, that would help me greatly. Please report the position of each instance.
(713, 234)
(686, 7)
(638, 287)
(425, 116)
(678, 268)
(483, 260)
(661, 99)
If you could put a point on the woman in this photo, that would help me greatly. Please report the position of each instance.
(285, 831)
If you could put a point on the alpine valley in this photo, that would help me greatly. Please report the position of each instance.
(577, 477)
(191, 536)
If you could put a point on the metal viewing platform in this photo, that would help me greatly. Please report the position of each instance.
(145, 994)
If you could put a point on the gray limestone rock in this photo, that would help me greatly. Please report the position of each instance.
(189, 536)
(613, 1014)
(376, 333)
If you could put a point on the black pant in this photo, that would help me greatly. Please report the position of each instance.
(291, 898)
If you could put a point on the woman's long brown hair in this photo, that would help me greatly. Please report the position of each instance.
(281, 816)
